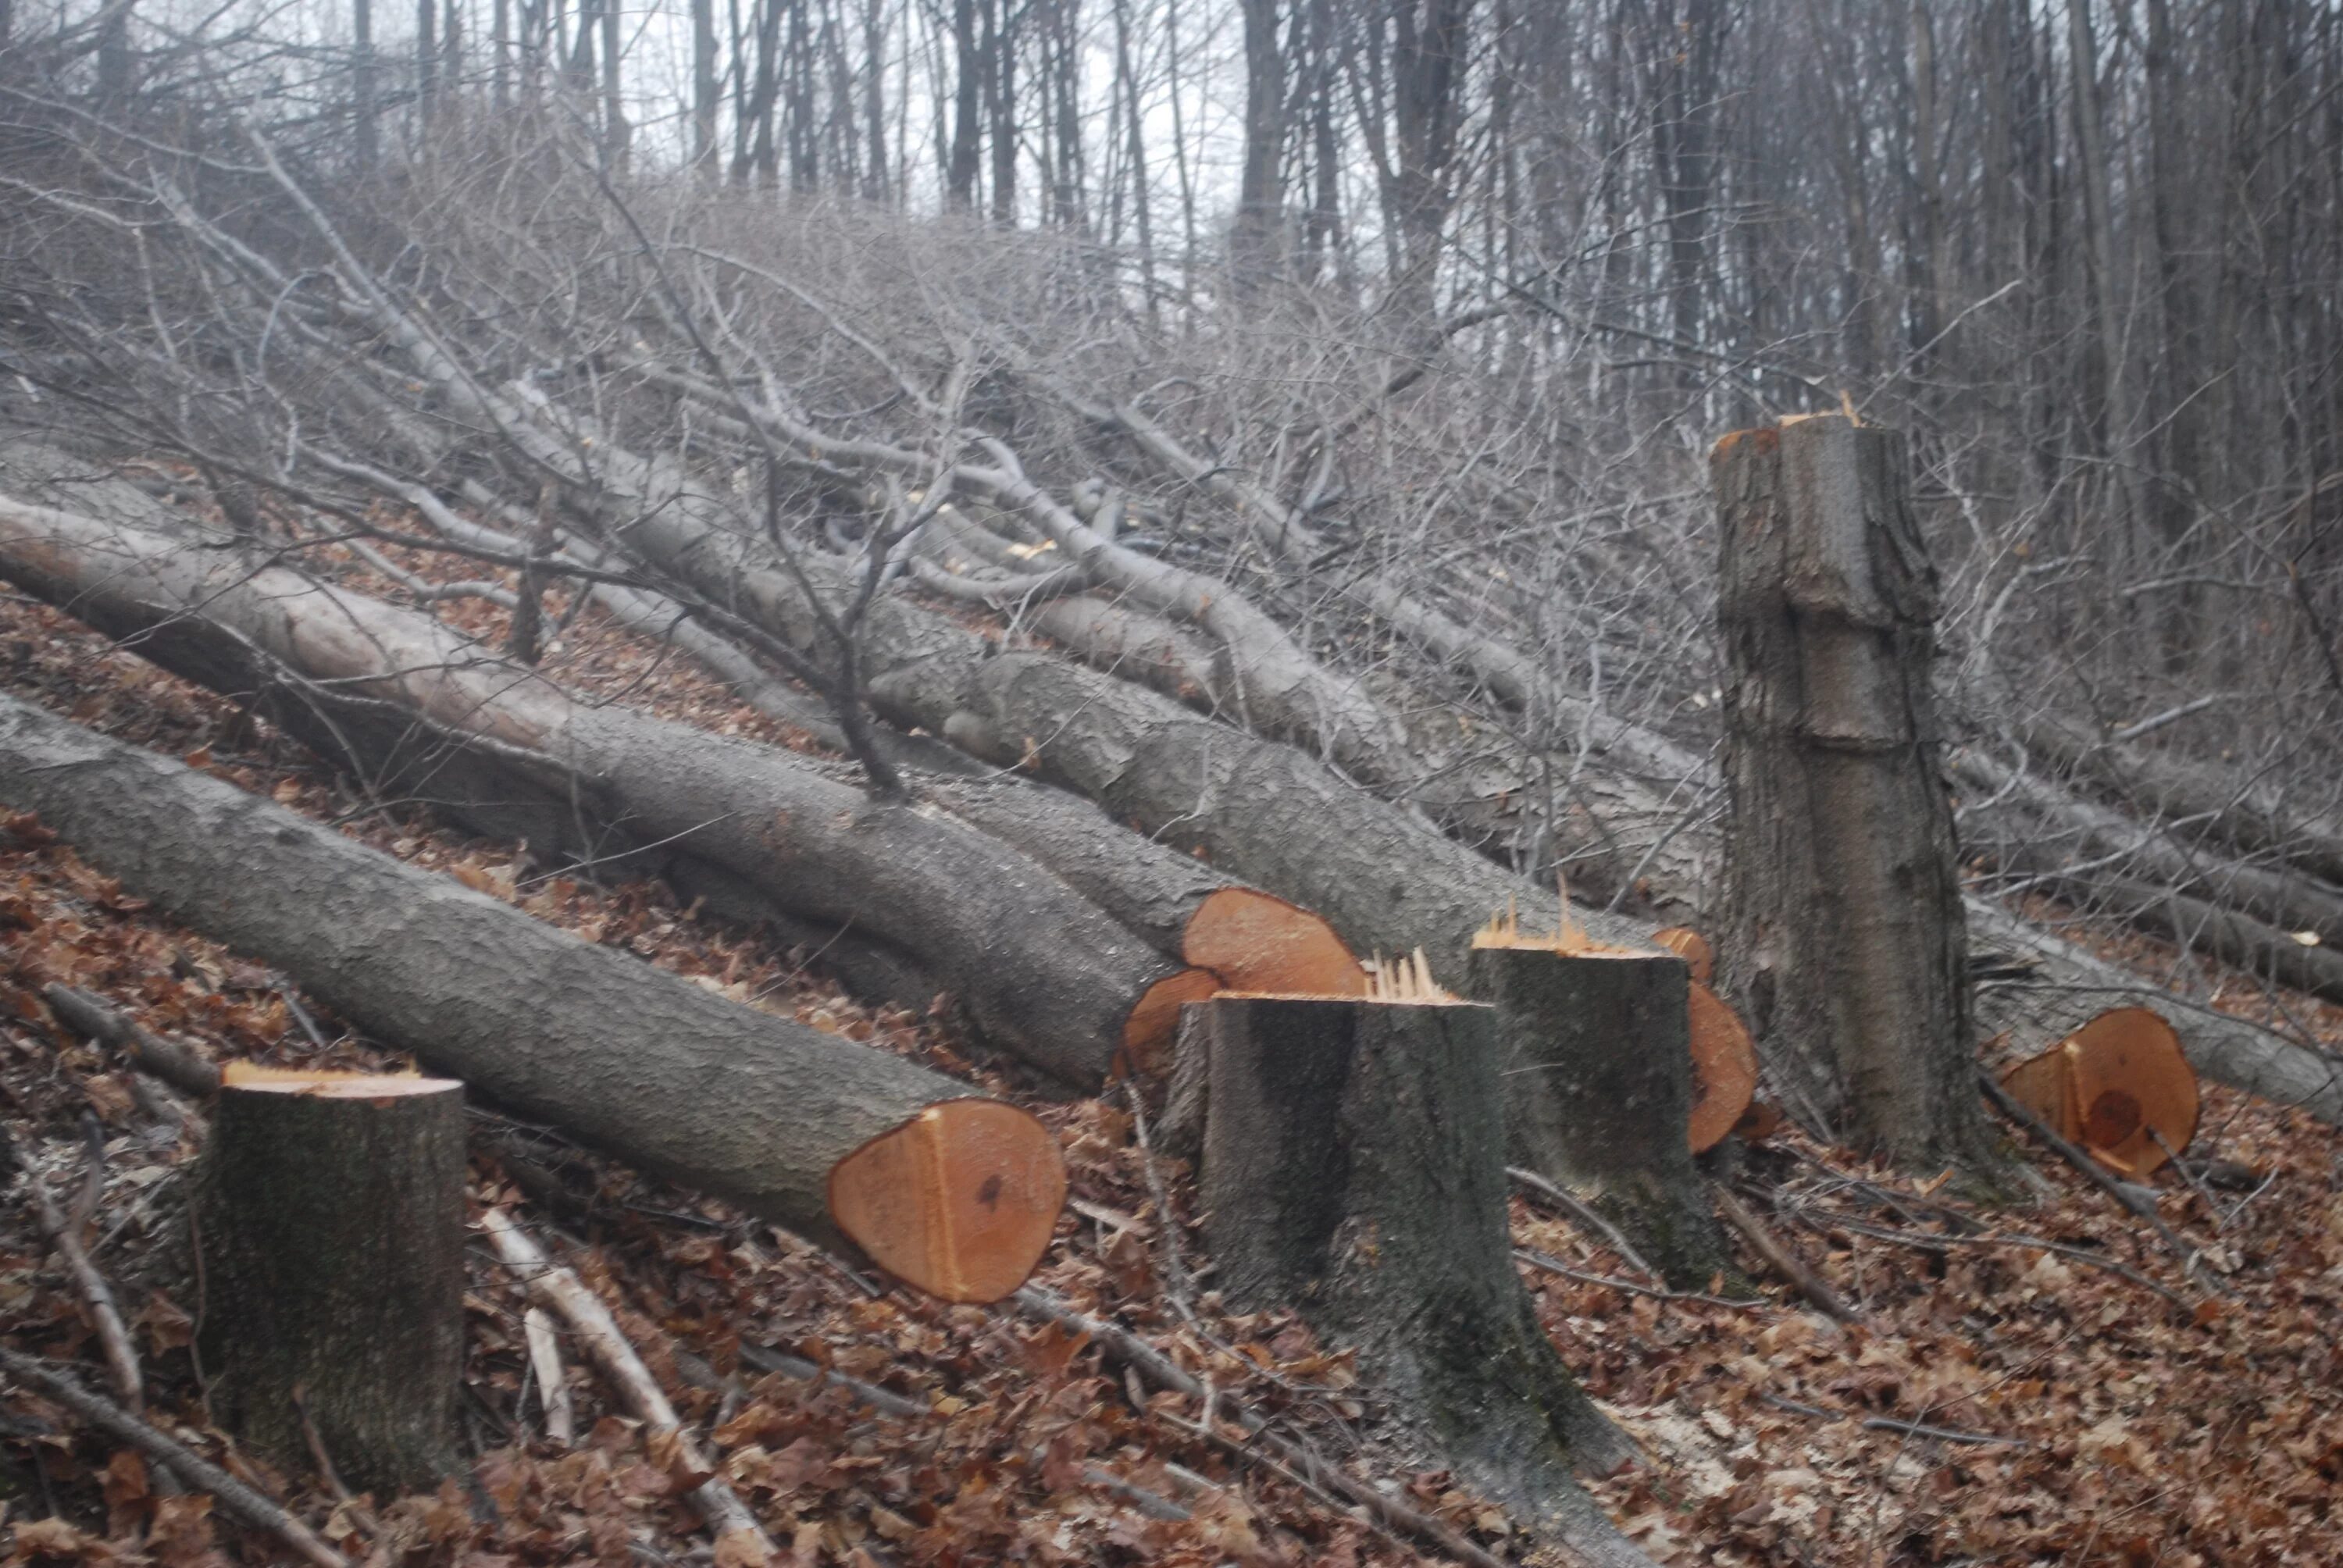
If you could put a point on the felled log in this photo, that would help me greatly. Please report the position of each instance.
(1250, 939)
(1595, 1053)
(1353, 1168)
(329, 1226)
(1842, 935)
(2250, 813)
(404, 700)
(2117, 1088)
(660, 1071)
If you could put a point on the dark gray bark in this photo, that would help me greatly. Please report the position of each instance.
(1597, 1058)
(1354, 1168)
(410, 704)
(331, 1230)
(1843, 937)
(660, 1071)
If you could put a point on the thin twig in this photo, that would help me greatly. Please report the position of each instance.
(240, 1500)
(1586, 1215)
(121, 1358)
(1890, 1423)
(1552, 1265)
(1784, 1261)
(2192, 1263)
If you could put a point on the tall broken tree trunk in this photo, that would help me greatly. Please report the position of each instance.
(1596, 1057)
(1843, 937)
(1353, 1167)
(660, 1071)
(329, 1221)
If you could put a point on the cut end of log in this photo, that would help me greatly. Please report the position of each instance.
(1690, 946)
(1724, 1069)
(2119, 1087)
(317, 1085)
(959, 1202)
(1147, 1033)
(1256, 941)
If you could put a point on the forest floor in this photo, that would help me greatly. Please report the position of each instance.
(2042, 1385)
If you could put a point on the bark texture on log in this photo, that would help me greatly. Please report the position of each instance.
(329, 1219)
(1843, 937)
(657, 1071)
(406, 701)
(1595, 1053)
(1354, 1168)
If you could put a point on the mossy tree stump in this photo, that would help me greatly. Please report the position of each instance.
(1596, 1055)
(329, 1221)
(1353, 1168)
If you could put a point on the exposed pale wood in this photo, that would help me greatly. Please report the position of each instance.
(2119, 1087)
(962, 1198)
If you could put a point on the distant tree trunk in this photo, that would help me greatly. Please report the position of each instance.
(1135, 149)
(427, 59)
(875, 182)
(362, 84)
(617, 135)
(1000, 103)
(330, 1226)
(500, 51)
(1261, 183)
(968, 84)
(704, 90)
(2116, 413)
(1844, 939)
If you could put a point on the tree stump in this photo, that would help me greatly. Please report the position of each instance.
(1595, 1054)
(1843, 940)
(329, 1221)
(1353, 1168)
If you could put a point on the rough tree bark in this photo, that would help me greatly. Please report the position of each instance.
(329, 1218)
(1596, 1059)
(658, 1070)
(1353, 1167)
(406, 701)
(1843, 937)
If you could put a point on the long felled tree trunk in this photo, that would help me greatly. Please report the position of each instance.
(753, 828)
(955, 1194)
(1843, 938)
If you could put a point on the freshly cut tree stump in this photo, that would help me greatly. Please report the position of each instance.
(1596, 1054)
(1353, 1168)
(329, 1223)
(1844, 939)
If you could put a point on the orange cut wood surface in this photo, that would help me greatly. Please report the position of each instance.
(1147, 1032)
(959, 1202)
(2115, 1086)
(1690, 946)
(1256, 941)
(1724, 1068)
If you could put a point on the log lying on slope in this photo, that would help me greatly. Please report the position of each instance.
(660, 1071)
(408, 702)
(1270, 813)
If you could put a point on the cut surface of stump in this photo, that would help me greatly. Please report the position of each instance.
(2119, 1087)
(329, 1222)
(961, 1199)
(1353, 1168)
(1598, 1063)
(1690, 946)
